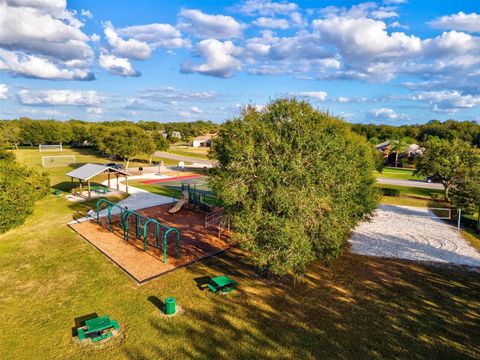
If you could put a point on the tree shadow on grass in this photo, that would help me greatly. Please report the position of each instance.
(358, 308)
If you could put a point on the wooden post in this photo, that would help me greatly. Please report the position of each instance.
(89, 189)
(108, 176)
(118, 185)
(81, 187)
(126, 184)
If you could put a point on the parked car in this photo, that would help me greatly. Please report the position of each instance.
(115, 166)
(428, 179)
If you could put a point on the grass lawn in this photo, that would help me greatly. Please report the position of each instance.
(398, 173)
(414, 191)
(184, 150)
(356, 308)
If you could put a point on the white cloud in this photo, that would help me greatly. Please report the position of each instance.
(3, 91)
(219, 58)
(94, 110)
(86, 14)
(192, 112)
(156, 35)
(447, 99)
(363, 39)
(204, 25)
(172, 95)
(267, 7)
(57, 38)
(317, 95)
(452, 43)
(131, 48)
(20, 64)
(460, 21)
(382, 114)
(395, 2)
(398, 25)
(271, 23)
(59, 97)
(116, 65)
(42, 31)
(383, 14)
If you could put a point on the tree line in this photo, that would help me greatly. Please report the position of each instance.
(25, 131)
(468, 131)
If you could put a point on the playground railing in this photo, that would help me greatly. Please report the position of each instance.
(214, 218)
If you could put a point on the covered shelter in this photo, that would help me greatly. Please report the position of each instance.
(86, 172)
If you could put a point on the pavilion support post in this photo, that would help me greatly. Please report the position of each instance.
(89, 189)
(81, 187)
(108, 176)
(118, 184)
(126, 184)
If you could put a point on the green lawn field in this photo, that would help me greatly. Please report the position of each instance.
(356, 308)
(185, 150)
(398, 173)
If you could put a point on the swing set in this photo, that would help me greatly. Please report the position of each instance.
(141, 226)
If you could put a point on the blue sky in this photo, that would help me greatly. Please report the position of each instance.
(390, 61)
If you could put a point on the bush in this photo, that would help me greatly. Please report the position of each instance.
(20, 187)
(295, 181)
(390, 192)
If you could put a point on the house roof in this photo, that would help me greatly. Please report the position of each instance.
(89, 171)
(205, 137)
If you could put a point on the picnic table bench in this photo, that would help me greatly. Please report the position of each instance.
(96, 327)
(222, 284)
(100, 189)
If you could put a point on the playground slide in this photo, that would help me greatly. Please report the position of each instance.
(178, 206)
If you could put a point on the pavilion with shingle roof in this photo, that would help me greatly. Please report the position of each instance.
(88, 171)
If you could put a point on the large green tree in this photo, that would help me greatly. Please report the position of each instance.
(445, 160)
(20, 187)
(126, 142)
(295, 181)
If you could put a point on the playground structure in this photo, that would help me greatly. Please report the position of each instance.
(196, 197)
(142, 224)
(180, 203)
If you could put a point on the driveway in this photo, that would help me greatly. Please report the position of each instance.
(412, 183)
(194, 160)
(412, 233)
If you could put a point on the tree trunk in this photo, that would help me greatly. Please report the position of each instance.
(396, 158)
(127, 162)
(150, 160)
(478, 220)
(446, 191)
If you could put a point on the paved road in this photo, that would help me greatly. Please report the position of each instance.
(176, 157)
(412, 183)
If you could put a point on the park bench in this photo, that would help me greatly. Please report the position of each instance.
(222, 284)
(95, 328)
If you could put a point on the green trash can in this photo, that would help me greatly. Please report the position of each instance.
(170, 306)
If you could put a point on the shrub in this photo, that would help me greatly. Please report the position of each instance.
(295, 181)
(20, 187)
(390, 192)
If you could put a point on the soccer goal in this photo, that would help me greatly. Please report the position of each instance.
(57, 161)
(44, 147)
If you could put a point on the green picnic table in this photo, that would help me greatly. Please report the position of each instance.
(222, 284)
(96, 328)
